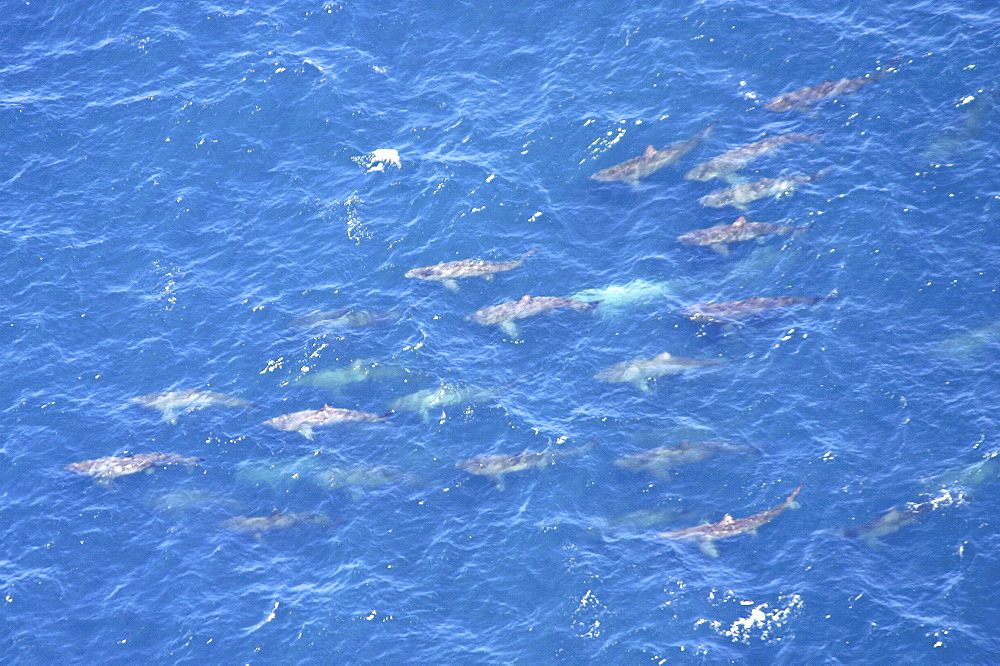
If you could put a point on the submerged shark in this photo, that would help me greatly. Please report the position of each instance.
(956, 140)
(257, 526)
(805, 98)
(966, 346)
(619, 296)
(104, 470)
(357, 372)
(193, 500)
(347, 319)
(303, 422)
(450, 271)
(662, 459)
(172, 403)
(719, 237)
(505, 314)
(445, 395)
(705, 535)
(897, 518)
(356, 479)
(967, 476)
(740, 195)
(735, 159)
(630, 171)
(639, 371)
(731, 312)
(493, 467)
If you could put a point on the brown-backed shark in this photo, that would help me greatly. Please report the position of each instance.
(448, 272)
(705, 535)
(630, 171)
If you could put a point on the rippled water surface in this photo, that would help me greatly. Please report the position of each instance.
(186, 185)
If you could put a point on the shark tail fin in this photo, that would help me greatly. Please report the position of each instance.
(529, 253)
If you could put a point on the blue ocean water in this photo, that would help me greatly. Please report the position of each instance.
(181, 181)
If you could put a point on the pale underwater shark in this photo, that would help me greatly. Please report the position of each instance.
(172, 403)
(257, 526)
(705, 535)
(425, 401)
(660, 460)
(639, 371)
(631, 170)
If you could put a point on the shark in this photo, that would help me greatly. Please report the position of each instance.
(172, 403)
(807, 97)
(632, 170)
(639, 371)
(357, 372)
(494, 467)
(615, 298)
(733, 160)
(445, 395)
(719, 237)
(706, 535)
(505, 314)
(740, 195)
(447, 273)
(305, 421)
(257, 526)
(897, 518)
(105, 470)
(660, 460)
(355, 479)
(731, 312)
(347, 318)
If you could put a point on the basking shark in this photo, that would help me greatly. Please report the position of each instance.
(494, 467)
(303, 422)
(660, 460)
(450, 271)
(425, 401)
(104, 470)
(731, 312)
(347, 318)
(357, 372)
(172, 403)
(733, 160)
(705, 535)
(805, 98)
(639, 371)
(897, 518)
(630, 171)
(719, 237)
(505, 314)
(257, 526)
(740, 195)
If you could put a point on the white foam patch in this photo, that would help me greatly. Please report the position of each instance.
(379, 159)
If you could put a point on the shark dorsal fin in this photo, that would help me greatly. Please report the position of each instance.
(740, 221)
(526, 297)
(726, 519)
(650, 151)
(664, 356)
